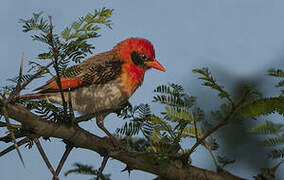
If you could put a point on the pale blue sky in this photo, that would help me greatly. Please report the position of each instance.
(240, 37)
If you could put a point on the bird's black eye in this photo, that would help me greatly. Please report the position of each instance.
(144, 57)
(137, 58)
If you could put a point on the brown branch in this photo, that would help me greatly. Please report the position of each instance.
(55, 65)
(16, 91)
(17, 134)
(71, 112)
(62, 161)
(19, 88)
(2, 124)
(100, 173)
(195, 129)
(32, 78)
(221, 124)
(44, 157)
(11, 148)
(6, 116)
(83, 139)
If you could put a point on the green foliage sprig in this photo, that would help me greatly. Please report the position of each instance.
(278, 73)
(87, 170)
(267, 106)
(72, 44)
(180, 121)
(209, 81)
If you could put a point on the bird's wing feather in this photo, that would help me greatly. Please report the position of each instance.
(98, 69)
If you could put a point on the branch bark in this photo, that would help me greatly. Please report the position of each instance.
(79, 137)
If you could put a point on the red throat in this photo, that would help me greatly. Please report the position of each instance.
(132, 78)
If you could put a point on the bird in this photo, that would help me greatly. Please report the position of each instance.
(103, 83)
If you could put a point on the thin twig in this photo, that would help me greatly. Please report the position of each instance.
(55, 65)
(212, 155)
(2, 124)
(100, 173)
(62, 161)
(219, 125)
(17, 134)
(30, 79)
(44, 157)
(16, 90)
(195, 129)
(4, 110)
(11, 148)
(71, 112)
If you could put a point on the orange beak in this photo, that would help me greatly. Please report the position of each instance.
(155, 64)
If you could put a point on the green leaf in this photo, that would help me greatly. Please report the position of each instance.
(267, 128)
(263, 106)
(273, 141)
(277, 153)
(211, 82)
(276, 72)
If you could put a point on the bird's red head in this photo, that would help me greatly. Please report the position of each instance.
(138, 51)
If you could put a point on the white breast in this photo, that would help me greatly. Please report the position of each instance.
(94, 98)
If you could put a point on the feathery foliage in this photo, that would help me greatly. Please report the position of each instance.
(180, 121)
(267, 106)
(263, 106)
(278, 73)
(72, 43)
(209, 81)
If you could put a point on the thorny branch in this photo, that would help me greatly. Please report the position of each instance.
(17, 89)
(82, 139)
(18, 134)
(2, 124)
(14, 94)
(12, 133)
(43, 155)
(62, 161)
(100, 173)
(71, 112)
(6, 117)
(55, 65)
(12, 147)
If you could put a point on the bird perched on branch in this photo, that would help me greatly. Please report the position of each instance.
(103, 83)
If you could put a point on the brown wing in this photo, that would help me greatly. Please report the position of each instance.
(98, 69)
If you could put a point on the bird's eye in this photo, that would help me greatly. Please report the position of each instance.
(144, 57)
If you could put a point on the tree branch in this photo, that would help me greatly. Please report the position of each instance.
(221, 124)
(44, 157)
(62, 161)
(55, 64)
(6, 116)
(100, 173)
(83, 139)
(11, 148)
